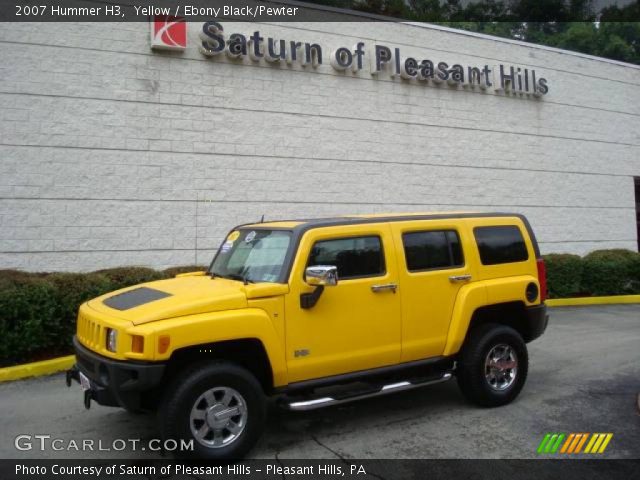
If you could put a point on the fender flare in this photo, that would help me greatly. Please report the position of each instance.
(482, 294)
(208, 328)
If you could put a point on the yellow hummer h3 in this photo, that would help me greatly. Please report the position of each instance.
(301, 309)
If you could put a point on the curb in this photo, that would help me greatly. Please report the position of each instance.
(570, 302)
(47, 367)
(36, 369)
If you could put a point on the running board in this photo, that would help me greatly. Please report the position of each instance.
(322, 402)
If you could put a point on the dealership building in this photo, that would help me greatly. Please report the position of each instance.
(143, 143)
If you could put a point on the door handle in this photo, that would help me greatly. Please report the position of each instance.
(385, 286)
(459, 278)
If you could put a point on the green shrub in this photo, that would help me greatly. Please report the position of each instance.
(72, 290)
(634, 273)
(8, 278)
(564, 272)
(173, 271)
(122, 277)
(27, 309)
(611, 272)
(38, 310)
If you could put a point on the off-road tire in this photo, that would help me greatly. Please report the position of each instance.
(471, 367)
(174, 414)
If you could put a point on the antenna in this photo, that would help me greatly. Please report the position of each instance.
(262, 219)
(195, 251)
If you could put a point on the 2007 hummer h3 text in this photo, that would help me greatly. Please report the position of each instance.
(304, 310)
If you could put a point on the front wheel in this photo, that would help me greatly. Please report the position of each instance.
(493, 365)
(219, 408)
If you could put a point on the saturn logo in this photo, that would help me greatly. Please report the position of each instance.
(168, 33)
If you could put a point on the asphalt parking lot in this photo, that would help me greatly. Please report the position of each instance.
(584, 377)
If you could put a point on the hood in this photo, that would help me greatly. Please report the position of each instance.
(175, 297)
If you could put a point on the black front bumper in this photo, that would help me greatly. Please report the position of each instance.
(115, 383)
(536, 322)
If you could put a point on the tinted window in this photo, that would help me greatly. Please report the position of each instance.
(500, 245)
(434, 249)
(354, 257)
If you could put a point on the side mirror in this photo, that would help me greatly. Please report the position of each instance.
(321, 275)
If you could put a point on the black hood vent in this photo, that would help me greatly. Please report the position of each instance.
(134, 298)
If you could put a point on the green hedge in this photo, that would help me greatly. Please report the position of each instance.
(611, 272)
(27, 309)
(173, 271)
(38, 310)
(601, 272)
(564, 275)
(126, 276)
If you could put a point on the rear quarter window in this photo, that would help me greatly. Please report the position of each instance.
(500, 244)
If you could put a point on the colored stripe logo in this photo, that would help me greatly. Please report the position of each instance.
(573, 443)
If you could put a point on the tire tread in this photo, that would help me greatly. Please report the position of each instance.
(469, 376)
(181, 389)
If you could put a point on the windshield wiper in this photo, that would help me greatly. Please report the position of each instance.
(237, 276)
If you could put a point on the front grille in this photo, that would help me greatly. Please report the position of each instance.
(91, 333)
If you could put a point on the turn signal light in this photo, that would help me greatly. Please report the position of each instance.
(137, 343)
(163, 343)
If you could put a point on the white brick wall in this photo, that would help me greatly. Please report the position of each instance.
(111, 154)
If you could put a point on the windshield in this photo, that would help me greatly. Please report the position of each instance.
(252, 255)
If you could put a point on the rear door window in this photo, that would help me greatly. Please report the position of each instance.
(432, 250)
(500, 244)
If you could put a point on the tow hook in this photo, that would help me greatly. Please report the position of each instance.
(87, 399)
(72, 374)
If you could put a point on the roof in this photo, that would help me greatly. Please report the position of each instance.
(372, 218)
(276, 224)
(411, 214)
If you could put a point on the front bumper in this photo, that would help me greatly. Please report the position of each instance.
(536, 322)
(115, 383)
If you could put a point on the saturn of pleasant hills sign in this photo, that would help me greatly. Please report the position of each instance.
(509, 79)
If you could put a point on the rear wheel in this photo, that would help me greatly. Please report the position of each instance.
(493, 365)
(219, 407)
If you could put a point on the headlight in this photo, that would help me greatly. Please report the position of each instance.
(112, 339)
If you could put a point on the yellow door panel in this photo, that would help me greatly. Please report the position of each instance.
(432, 268)
(351, 327)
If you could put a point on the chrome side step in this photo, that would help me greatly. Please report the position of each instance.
(322, 402)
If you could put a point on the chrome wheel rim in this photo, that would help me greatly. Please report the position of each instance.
(218, 417)
(501, 367)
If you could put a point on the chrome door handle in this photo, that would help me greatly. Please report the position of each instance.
(385, 286)
(459, 278)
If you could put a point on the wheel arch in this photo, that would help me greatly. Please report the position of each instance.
(249, 353)
(499, 301)
(511, 314)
